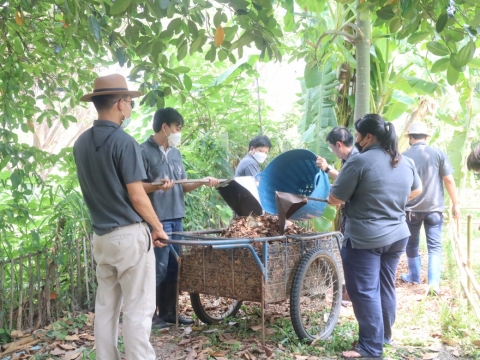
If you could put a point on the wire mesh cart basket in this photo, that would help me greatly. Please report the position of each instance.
(220, 273)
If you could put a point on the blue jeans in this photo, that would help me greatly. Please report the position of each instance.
(433, 230)
(370, 282)
(165, 262)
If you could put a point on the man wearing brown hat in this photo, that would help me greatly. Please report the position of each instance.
(110, 171)
(435, 171)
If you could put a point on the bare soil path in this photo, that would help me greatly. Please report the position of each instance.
(418, 332)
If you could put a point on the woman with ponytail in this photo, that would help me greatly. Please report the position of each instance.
(374, 185)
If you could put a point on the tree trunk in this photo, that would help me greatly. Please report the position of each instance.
(362, 44)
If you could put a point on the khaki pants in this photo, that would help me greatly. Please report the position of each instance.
(126, 281)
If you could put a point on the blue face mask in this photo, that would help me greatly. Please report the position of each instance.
(126, 121)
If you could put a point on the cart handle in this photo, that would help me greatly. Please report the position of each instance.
(219, 242)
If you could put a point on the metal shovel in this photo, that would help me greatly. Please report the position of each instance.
(288, 204)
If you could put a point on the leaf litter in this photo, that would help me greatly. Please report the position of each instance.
(200, 342)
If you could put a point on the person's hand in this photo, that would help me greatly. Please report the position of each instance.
(157, 236)
(322, 163)
(455, 211)
(211, 181)
(167, 185)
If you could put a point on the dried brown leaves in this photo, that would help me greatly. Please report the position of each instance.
(258, 226)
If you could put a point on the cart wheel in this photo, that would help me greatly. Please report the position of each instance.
(213, 309)
(315, 296)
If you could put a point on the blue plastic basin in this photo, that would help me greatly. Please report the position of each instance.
(294, 172)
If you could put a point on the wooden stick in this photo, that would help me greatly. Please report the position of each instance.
(72, 283)
(19, 345)
(460, 265)
(30, 292)
(92, 262)
(20, 295)
(58, 306)
(39, 294)
(86, 269)
(47, 289)
(79, 273)
(12, 278)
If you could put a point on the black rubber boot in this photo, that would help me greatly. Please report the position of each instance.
(167, 312)
(157, 321)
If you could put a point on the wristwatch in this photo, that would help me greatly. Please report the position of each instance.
(327, 169)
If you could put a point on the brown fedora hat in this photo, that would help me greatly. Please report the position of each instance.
(110, 85)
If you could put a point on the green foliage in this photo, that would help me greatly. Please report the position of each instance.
(4, 335)
(46, 42)
(318, 108)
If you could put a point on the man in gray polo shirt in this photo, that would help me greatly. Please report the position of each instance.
(258, 149)
(435, 170)
(110, 171)
(340, 140)
(162, 160)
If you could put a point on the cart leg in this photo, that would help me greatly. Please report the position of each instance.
(177, 295)
(263, 310)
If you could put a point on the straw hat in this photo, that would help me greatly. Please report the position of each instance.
(418, 128)
(110, 85)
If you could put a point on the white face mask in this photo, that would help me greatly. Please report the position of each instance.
(174, 139)
(259, 156)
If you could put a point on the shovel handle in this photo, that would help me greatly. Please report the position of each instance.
(316, 199)
(186, 181)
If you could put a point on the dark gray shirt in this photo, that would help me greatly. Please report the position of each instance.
(432, 165)
(107, 160)
(375, 194)
(160, 164)
(352, 153)
(248, 166)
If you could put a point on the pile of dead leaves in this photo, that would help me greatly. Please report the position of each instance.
(199, 347)
(258, 226)
(66, 341)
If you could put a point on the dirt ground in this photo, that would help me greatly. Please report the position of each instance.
(422, 329)
(417, 332)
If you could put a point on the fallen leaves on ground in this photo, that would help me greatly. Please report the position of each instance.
(67, 344)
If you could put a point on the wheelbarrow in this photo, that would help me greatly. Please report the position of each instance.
(220, 273)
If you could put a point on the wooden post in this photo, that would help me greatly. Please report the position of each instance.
(79, 273)
(47, 288)
(30, 292)
(86, 269)
(92, 260)
(58, 305)
(469, 249)
(72, 282)
(39, 294)
(20, 294)
(12, 280)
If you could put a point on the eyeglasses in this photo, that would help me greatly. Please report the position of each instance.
(132, 103)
